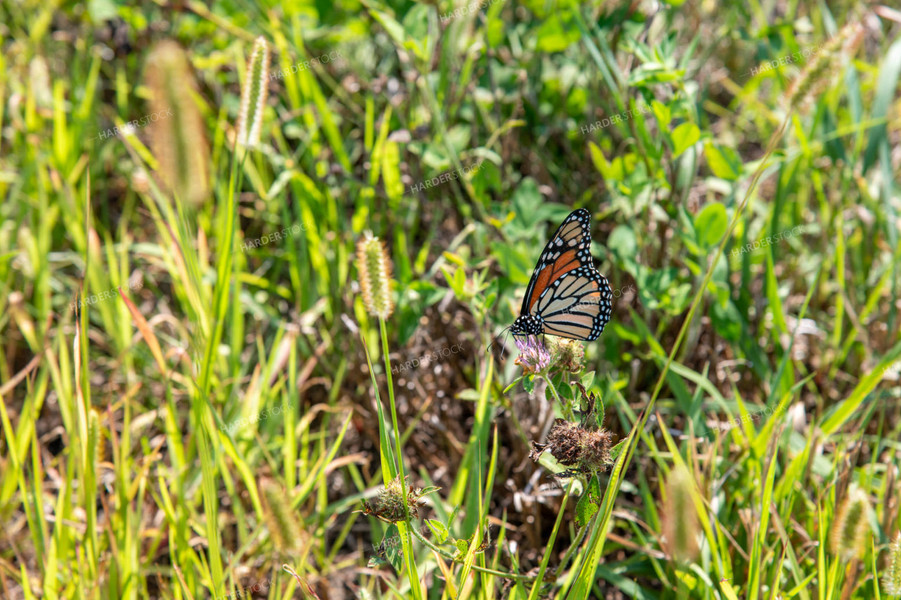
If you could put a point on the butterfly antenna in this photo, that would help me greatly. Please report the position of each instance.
(491, 345)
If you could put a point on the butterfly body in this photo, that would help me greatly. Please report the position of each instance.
(566, 297)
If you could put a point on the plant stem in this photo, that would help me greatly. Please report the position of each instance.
(412, 571)
(533, 594)
(450, 556)
(567, 408)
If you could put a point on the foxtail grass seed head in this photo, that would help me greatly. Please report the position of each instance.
(680, 519)
(891, 579)
(585, 451)
(253, 97)
(821, 71)
(39, 80)
(283, 526)
(374, 268)
(179, 140)
(389, 504)
(851, 525)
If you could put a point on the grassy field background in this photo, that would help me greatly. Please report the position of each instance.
(200, 401)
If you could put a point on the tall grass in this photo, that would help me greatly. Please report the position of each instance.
(199, 397)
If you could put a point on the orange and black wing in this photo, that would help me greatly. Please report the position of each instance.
(569, 295)
(577, 305)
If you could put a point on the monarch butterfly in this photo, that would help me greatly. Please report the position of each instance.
(566, 297)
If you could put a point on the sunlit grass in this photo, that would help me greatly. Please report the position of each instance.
(142, 455)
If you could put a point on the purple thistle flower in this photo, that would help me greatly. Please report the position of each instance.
(533, 356)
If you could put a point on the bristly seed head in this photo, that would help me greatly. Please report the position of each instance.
(374, 268)
(585, 451)
(891, 580)
(389, 504)
(281, 520)
(253, 98)
(820, 72)
(567, 355)
(177, 136)
(851, 525)
(680, 519)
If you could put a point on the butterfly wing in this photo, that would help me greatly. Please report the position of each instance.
(577, 305)
(571, 242)
(572, 299)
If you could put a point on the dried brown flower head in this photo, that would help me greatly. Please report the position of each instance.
(583, 450)
(389, 504)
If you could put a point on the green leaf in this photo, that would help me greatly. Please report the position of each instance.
(438, 529)
(394, 552)
(587, 379)
(617, 450)
(375, 562)
(624, 244)
(727, 321)
(528, 384)
(600, 162)
(711, 224)
(394, 29)
(684, 137)
(662, 112)
(391, 172)
(462, 548)
(723, 162)
(455, 281)
(588, 503)
(557, 34)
